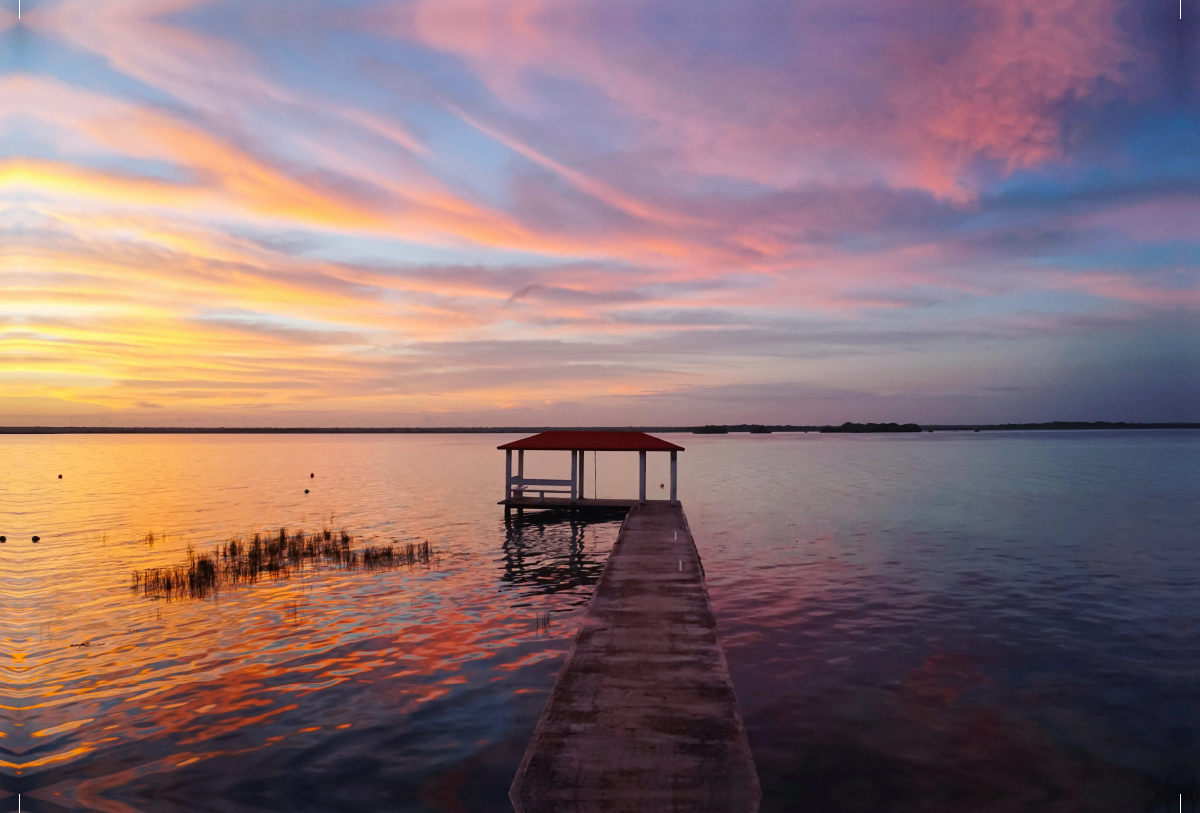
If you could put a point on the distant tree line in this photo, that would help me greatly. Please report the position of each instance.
(761, 429)
(849, 427)
(870, 428)
(752, 428)
(1092, 425)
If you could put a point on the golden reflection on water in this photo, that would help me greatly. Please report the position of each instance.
(104, 689)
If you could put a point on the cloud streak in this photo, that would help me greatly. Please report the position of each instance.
(477, 207)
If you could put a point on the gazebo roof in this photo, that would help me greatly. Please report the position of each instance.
(603, 441)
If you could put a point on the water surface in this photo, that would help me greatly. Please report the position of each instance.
(933, 622)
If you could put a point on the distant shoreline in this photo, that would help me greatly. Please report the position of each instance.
(496, 430)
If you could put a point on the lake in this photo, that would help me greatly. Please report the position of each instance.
(932, 622)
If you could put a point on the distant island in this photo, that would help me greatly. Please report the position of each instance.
(848, 427)
(751, 428)
(870, 428)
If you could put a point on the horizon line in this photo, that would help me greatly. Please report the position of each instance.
(690, 428)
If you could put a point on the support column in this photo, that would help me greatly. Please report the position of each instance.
(674, 477)
(582, 457)
(520, 464)
(508, 474)
(641, 476)
(574, 474)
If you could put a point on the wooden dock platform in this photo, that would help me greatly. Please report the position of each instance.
(643, 716)
(566, 502)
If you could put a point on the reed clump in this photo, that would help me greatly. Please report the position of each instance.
(276, 555)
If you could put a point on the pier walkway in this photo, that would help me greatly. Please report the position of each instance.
(564, 502)
(643, 716)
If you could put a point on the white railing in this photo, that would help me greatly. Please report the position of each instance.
(520, 486)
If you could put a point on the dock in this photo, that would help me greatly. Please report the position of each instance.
(643, 715)
(564, 502)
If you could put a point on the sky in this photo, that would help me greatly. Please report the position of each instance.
(598, 212)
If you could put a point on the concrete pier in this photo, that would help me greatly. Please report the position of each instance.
(643, 716)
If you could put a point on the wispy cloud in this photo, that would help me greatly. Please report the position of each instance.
(472, 207)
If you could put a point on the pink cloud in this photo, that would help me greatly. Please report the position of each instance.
(1125, 287)
(1169, 218)
(863, 101)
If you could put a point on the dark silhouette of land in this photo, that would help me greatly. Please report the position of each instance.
(870, 428)
(699, 430)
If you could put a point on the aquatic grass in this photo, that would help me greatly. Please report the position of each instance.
(276, 555)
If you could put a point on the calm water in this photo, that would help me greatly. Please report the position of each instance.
(940, 622)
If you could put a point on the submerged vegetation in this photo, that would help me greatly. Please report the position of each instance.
(274, 556)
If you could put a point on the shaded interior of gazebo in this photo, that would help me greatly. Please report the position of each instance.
(519, 489)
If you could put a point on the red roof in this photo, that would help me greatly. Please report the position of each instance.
(594, 442)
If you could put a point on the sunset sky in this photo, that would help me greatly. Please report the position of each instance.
(598, 212)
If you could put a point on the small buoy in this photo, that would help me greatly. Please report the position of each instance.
(60, 476)
(306, 491)
(37, 539)
(312, 475)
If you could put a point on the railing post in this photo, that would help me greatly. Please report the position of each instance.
(508, 474)
(674, 477)
(641, 476)
(582, 457)
(574, 473)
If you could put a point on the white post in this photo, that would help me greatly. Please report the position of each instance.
(641, 476)
(508, 474)
(674, 477)
(574, 475)
(582, 456)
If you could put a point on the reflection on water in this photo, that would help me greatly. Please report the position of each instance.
(961, 622)
(544, 551)
(336, 689)
(929, 624)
